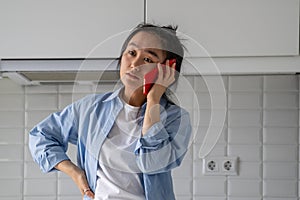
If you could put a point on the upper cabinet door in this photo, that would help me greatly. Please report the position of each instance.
(232, 27)
(66, 28)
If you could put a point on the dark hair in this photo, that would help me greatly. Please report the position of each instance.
(170, 42)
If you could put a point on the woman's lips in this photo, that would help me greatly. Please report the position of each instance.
(133, 76)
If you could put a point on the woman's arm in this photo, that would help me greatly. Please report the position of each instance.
(164, 145)
(164, 79)
(152, 114)
(48, 140)
(164, 142)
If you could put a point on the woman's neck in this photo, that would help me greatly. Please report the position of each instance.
(135, 98)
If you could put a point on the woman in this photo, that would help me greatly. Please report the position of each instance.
(128, 142)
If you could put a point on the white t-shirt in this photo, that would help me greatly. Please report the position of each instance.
(117, 176)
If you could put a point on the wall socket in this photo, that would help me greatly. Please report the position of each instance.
(222, 166)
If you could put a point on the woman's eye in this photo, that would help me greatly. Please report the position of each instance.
(131, 52)
(148, 60)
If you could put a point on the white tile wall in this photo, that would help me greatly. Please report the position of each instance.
(261, 128)
(245, 115)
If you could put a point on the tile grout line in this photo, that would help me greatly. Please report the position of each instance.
(57, 101)
(193, 165)
(262, 135)
(193, 147)
(24, 139)
(227, 126)
(298, 82)
(195, 99)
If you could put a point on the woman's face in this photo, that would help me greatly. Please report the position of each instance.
(142, 54)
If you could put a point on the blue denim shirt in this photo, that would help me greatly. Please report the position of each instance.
(87, 122)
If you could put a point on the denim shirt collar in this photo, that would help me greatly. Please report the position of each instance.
(116, 93)
(113, 95)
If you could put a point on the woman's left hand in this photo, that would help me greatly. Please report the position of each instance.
(78, 176)
(164, 79)
(166, 76)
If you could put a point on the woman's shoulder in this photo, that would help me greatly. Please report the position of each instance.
(93, 98)
(174, 108)
(88, 103)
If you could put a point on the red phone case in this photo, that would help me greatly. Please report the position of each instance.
(150, 77)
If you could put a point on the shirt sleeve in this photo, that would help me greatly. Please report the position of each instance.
(166, 142)
(48, 141)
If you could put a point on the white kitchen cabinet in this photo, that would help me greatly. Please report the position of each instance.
(221, 28)
(66, 28)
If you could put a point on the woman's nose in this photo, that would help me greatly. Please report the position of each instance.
(136, 62)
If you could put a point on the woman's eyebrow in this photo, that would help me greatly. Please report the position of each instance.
(146, 50)
(134, 44)
(152, 53)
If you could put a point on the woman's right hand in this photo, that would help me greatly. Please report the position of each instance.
(77, 175)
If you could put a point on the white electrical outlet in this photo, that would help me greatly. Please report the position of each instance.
(222, 166)
(210, 166)
(229, 166)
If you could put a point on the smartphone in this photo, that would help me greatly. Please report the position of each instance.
(150, 77)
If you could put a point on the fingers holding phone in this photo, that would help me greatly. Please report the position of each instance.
(166, 74)
(169, 69)
(163, 75)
